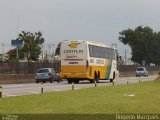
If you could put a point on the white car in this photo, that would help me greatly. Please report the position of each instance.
(141, 71)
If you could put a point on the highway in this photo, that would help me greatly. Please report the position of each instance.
(10, 90)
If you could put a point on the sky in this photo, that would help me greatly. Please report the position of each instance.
(58, 20)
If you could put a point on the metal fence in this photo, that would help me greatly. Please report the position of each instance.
(125, 68)
(24, 67)
(30, 68)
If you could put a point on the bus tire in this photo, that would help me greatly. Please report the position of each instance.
(95, 75)
(111, 80)
(98, 77)
(76, 81)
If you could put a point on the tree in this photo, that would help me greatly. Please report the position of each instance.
(57, 51)
(32, 43)
(144, 44)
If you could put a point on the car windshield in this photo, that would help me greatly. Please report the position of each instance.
(43, 71)
(140, 69)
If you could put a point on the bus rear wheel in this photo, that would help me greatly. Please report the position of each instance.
(76, 81)
(111, 80)
(96, 76)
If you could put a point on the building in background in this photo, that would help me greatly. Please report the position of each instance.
(4, 57)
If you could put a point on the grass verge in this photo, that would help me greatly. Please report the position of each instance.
(99, 100)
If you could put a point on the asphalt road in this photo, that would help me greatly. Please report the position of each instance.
(10, 90)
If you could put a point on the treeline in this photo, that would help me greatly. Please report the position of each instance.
(144, 42)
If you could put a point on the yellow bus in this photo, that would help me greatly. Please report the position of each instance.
(87, 60)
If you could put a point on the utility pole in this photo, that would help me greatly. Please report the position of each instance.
(125, 55)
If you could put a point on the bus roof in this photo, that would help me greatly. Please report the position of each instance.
(90, 42)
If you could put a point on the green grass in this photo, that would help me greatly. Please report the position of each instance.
(99, 100)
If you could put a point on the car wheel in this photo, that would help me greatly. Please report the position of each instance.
(114, 75)
(44, 81)
(51, 81)
(59, 79)
(37, 81)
